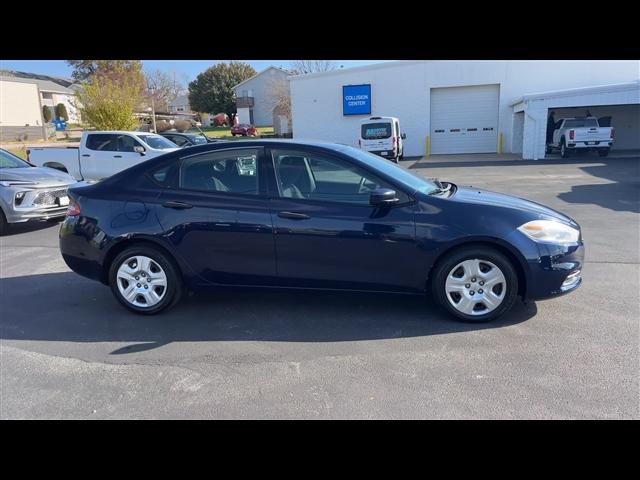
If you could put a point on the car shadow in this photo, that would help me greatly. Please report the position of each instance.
(70, 308)
(19, 228)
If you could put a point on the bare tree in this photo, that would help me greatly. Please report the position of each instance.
(162, 87)
(280, 96)
(300, 67)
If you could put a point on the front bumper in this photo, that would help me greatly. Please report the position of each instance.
(385, 153)
(37, 204)
(557, 271)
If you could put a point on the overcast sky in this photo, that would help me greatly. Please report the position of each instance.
(185, 70)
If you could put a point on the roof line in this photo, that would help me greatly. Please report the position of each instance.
(260, 73)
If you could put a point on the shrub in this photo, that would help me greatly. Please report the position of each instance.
(46, 114)
(61, 112)
(182, 125)
(220, 119)
(162, 126)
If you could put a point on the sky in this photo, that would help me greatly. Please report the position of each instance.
(185, 70)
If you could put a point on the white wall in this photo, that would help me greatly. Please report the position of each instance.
(69, 104)
(402, 89)
(19, 104)
(260, 88)
(243, 115)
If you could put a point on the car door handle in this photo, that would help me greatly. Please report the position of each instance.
(177, 205)
(117, 156)
(293, 215)
(86, 155)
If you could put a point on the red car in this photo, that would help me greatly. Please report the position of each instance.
(244, 129)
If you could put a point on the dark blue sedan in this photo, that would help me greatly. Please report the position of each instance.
(311, 215)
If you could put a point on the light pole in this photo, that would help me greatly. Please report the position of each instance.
(152, 93)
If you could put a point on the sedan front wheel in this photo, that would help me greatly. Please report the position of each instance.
(475, 284)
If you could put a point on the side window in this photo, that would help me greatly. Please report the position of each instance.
(180, 141)
(102, 142)
(232, 171)
(321, 177)
(126, 143)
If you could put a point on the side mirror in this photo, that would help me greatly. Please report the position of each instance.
(139, 149)
(403, 136)
(383, 196)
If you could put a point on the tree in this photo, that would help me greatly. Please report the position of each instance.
(109, 98)
(301, 67)
(280, 96)
(61, 112)
(83, 70)
(46, 114)
(212, 90)
(162, 87)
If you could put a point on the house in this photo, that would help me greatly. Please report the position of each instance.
(52, 94)
(257, 96)
(20, 110)
(22, 102)
(459, 107)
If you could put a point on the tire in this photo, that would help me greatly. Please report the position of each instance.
(233, 134)
(564, 151)
(4, 225)
(603, 152)
(446, 280)
(169, 295)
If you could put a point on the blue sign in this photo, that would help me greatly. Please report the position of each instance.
(60, 125)
(356, 100)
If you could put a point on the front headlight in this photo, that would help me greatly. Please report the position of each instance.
(548, 231)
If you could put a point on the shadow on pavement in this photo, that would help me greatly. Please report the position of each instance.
(65, 307)
(622, 195)
(491, 160)
(19, 228)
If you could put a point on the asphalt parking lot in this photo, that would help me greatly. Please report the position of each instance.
(68, 350)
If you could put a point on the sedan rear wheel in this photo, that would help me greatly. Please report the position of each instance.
(144, 280)
(475, 284)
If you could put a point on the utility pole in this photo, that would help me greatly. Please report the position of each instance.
(153, 109)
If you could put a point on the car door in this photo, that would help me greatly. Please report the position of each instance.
(96, 160)
(327, 235)
(126, 156)
(215, 213)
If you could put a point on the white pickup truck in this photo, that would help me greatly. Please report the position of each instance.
(581, 133)
(102, 153)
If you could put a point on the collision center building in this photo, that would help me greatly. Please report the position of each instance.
(459, 107)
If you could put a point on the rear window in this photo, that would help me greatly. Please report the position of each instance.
(374, 131)
(581, 122)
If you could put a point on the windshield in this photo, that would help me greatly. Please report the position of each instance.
(374, 131)
(410, 180)
(9, 160)
(581, 122)
(157, 142)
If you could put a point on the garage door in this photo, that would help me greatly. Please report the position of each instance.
(464, 119)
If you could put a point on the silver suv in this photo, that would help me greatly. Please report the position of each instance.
(30, 193)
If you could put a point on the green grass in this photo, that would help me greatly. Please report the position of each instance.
(18, 152)
(225, 132)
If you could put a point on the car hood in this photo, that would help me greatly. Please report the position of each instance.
(40, 176)
(485, 197)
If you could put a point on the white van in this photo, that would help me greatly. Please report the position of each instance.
(381, 135)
